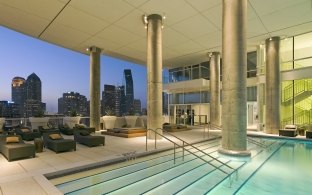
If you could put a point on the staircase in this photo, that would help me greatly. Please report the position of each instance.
(158, 174)
(302, 92)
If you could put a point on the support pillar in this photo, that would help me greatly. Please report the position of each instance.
(260, 87)
(272, 85)
(234, 68)
(95, 83)
(215, 88)
(154, 75)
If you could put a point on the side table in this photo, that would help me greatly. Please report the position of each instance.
(38, 144)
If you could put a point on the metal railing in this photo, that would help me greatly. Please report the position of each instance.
(257, 143)
(183, 148)
(188, 144)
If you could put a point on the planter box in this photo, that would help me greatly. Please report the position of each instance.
(2, 122)
(109, 122)
(71, 121)
(38, 121)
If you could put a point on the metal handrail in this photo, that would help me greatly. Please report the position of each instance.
(215, 126)
(257, 143)
(188, 144)
(155, 131)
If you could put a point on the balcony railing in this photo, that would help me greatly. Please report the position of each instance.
(54, 121)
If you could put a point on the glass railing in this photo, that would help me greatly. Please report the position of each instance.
(54, 121)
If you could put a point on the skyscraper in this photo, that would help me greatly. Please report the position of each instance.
(72, 102)
(32, 104)
(9, 109)
(33, 87)
(109, 100)
(129, 91)
(137, 106)
(120, 101)
(18, 92)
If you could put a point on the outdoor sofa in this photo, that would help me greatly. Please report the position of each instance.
(55, 142)
(289, 131)
(84, 137)
(13, 147)
(26, 133)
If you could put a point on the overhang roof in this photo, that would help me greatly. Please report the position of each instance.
(191, 28)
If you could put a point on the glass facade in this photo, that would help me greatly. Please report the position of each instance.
(296, 52)
(296, 98)
(297, 102)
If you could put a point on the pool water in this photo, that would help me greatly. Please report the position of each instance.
(276, 166)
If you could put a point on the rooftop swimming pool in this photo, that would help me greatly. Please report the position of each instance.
(276, 166)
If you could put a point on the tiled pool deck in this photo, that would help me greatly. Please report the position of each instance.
(27, 176)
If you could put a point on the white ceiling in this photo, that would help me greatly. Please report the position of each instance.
(192, 27)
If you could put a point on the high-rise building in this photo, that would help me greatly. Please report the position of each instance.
(71, 103)
(137, 106)
(18, 92)
(9, 109)
(129, 91)
(109, 100)
(120, 101)
(33, 87)
(32, 104)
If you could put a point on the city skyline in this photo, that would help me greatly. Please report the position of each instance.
(61, 70)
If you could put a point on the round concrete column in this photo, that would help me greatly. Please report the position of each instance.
(260, 87)
(95, 83)
(154, 75)
(234, 68)
(272, 85)
(215, 88)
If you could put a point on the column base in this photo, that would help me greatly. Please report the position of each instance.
(234, 153)
(151, 135)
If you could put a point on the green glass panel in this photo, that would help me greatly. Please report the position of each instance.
(287, 103)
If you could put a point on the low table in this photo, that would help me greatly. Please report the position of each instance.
(309, 134)
(38, 144)
(288, 132)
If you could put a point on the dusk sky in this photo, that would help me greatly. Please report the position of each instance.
(60, 70)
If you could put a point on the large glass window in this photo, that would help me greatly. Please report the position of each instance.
(176, 98)
(287, 103)
(205, 70)
(205, 97)
(195, 72)
(252, 64)
(252, 93)
(303, 101)
(286, 54)
(303, 50)
(193, 97)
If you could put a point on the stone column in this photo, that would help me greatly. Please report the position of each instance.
(95, 83)
(234, 68)
(260, 87)
(215, 88)
(154, 75)
(272, 85)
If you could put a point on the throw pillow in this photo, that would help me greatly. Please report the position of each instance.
(55, 136)
(80, 126)
(25, 130)
(13, 139)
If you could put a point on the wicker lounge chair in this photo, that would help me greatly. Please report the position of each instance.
(54, 141)
(65, 129)
(13, 147)
(26, 133)
(84, 137)
(289, 131)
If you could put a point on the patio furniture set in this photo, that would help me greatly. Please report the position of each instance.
(13, 147)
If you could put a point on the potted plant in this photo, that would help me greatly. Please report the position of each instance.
(2, 122)
(39, 120)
